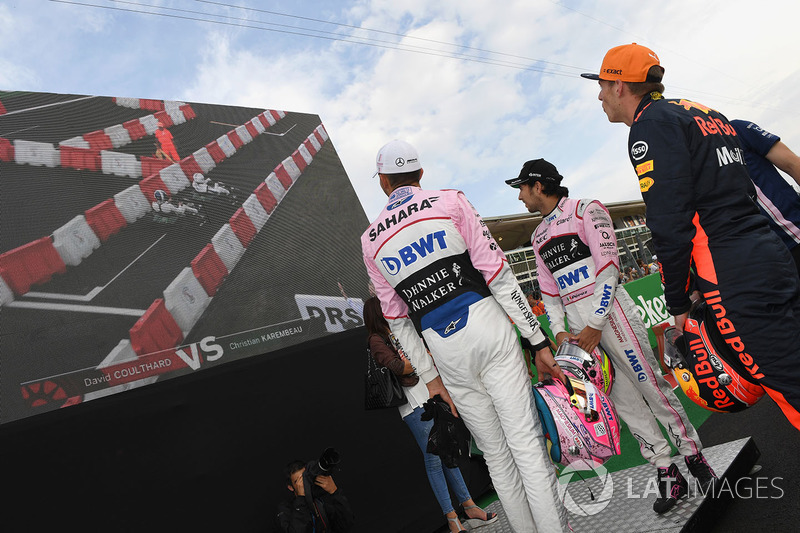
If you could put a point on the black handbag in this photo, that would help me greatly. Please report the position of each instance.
(381, 387)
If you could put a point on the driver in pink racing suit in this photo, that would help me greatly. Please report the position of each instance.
(578, 269)
(438, 272)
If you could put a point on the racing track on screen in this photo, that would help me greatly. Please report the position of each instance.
(72, 322)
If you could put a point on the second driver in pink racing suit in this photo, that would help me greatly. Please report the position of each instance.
(578, 268)
(438, 272)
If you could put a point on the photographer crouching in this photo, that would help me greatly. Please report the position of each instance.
(316, 505)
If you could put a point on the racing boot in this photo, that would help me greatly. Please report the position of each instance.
(671, 487)
(705, 477)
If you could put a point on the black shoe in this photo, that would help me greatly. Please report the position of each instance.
(701, 470)
(671, 487)
(475, 523)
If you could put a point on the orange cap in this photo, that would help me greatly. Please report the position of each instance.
(628, 62)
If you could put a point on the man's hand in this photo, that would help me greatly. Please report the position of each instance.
(546, 365)
(326, 482)
(680, 320)
(435, 387)
(527, 356)
(588, 338)
(561, 337)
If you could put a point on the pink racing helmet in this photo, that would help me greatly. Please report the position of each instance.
(594, 367)
(579, 421)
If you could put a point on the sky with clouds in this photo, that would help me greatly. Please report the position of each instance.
(478, 87)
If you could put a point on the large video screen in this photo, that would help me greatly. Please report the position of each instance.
(145, 239)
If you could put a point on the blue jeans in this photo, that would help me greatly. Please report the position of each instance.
(438, 475)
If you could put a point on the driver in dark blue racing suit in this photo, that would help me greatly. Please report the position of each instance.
(703, 217)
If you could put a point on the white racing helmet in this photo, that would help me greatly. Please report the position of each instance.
(594, 367)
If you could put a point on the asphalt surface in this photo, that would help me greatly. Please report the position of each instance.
(309, 243)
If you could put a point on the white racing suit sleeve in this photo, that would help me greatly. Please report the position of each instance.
(506, 291)
(489, 260)
(602, 241)
(402, 326)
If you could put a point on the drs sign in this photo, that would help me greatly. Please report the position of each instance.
(339, 313)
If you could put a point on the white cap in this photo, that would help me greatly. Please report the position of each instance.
(396, 157)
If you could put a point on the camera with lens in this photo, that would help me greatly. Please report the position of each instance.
(324, 466)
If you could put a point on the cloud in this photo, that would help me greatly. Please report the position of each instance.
(475, 120)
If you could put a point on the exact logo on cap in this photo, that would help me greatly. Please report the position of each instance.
(629, 63)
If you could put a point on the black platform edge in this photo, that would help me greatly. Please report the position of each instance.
(702, 520)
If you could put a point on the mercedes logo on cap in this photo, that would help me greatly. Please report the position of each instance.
(399, 161)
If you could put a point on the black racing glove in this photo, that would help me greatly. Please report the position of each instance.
(526, 345)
